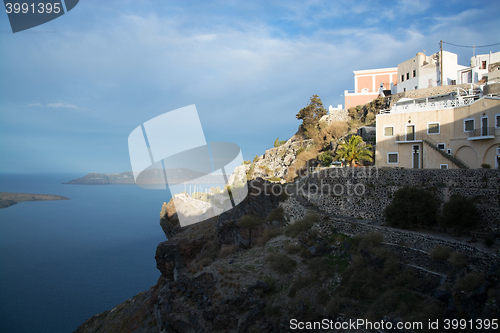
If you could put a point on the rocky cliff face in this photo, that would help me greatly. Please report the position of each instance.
(213, 280)
(275, 162)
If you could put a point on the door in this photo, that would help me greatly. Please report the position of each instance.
(416, 157)
(484, 126)
(410, 132)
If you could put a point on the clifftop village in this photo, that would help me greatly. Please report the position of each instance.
(438, 115)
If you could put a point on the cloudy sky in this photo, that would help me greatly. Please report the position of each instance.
(73, 89)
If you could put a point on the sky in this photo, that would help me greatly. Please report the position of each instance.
(73, 89)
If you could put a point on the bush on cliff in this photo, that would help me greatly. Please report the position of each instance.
(411, 208)
(461, 213)
(302, 226)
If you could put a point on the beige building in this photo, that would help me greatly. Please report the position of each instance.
(458, 130)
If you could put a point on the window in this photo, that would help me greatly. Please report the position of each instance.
(416, 147)
(433, 128)
(402, 78)
(404, 89)
(407, 76)
(392, 158)
(441, 146)
(448, 151)
(388, 131)
(414, 73)
(468, 125)
(416, 87)
(497, 120)
(483, 65)
(443, 166)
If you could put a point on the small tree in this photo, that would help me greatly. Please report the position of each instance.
(412, 207)
(460, 212)
(354, 151)
(256, 159)
(326, 158)
(311, 114)
(249, 222)
(277, 142)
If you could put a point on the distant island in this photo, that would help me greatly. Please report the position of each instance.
(152, 176)
(8, 199)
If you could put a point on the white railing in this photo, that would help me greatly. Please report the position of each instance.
(428, 106)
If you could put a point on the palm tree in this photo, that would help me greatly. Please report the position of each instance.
(354, 151)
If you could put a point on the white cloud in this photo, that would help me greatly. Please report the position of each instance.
(38, 104)
(65, 106)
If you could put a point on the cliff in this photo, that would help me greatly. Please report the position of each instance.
(219, 276)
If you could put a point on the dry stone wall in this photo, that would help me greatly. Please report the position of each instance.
(410, 240)
(365, 192)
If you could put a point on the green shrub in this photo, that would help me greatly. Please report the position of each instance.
(293, 248)
(274, 179)
(457, 260)
(267, 234)
(469, 282)
(256, 159)
(460, 212)
(302, 226)
(326, 158)
(278, 214)
(412, 207)
(440, 253)
(300, 150)
(372, 239)
(485, 166)
(322, 265)
(277, 143)
(227, 250)
(281, 263)
(489, 240)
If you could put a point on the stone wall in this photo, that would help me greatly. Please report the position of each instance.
(411, 240)
(365, 192)
(337, 115)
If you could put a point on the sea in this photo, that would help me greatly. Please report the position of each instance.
(61, 262)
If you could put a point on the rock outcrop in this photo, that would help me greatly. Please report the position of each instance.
(259, 202)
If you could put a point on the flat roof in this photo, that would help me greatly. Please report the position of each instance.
(380, 70)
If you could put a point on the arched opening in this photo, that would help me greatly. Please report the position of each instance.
(469, 156)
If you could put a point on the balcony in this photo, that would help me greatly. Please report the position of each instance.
(409, 138)
(482, 133)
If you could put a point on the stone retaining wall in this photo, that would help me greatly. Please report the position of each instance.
(409, 239)
(365, 192)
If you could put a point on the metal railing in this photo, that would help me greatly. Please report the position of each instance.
(429, 106)
(452, 157)
(409, 137)
(484, 131)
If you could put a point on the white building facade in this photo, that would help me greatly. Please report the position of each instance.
(424, 71)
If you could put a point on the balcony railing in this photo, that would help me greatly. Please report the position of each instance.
(428, 106)
(482, 132)
(409, 137)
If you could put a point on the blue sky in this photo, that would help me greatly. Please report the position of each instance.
(73, 89)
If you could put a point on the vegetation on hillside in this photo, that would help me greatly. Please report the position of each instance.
(354, 151)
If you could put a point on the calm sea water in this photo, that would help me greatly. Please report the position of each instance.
(62, 262)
